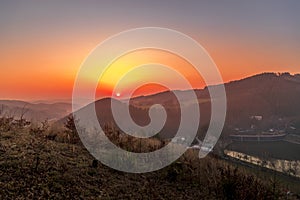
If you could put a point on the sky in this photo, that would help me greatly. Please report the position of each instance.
(43, 43)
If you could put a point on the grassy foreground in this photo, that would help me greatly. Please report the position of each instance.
(34, 167)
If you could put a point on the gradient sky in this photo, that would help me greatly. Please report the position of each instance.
(43, 43)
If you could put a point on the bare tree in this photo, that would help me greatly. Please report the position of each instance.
(71, 130)
(1, 109)
(22, 122)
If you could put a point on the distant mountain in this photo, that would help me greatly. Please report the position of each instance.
(138, 114)
(52, 101)
(34, 111)
(273, 96)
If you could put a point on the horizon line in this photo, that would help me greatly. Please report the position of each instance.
(69, 100)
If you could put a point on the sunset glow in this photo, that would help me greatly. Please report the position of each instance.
(123, 65)
(41, 52)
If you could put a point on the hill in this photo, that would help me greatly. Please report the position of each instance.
(273, 97)
(34, 111)
(33, 167)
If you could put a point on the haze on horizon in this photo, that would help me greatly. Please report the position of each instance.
(44, 43)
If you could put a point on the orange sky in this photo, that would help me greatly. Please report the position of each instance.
(43, 46)
(127, 62)
(49, 71)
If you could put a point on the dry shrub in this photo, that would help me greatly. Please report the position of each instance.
(131, 143)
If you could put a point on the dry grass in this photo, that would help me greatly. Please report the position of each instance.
(33, 167)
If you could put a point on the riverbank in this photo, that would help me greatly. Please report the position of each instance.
(291, 168)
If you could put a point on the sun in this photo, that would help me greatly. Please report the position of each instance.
(118, 94)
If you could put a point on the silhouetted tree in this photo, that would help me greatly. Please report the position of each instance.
(70, 125)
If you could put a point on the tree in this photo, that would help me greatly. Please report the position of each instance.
(71, 131)
(22, 122)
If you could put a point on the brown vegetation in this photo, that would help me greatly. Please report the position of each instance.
(34, 167)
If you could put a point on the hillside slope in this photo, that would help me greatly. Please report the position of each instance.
(273, 96)
(34, 168)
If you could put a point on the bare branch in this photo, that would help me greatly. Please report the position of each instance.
(23, 111)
